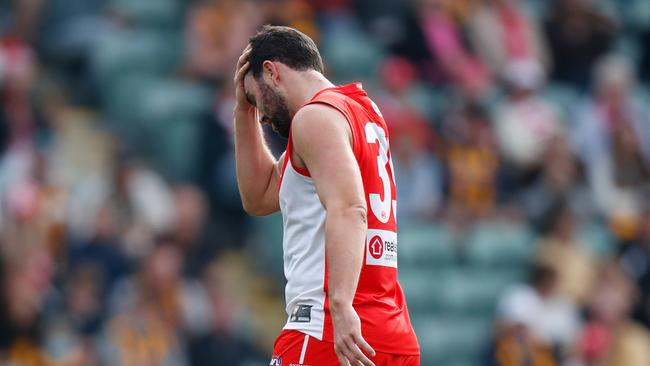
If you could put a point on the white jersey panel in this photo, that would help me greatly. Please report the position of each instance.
(303, 243)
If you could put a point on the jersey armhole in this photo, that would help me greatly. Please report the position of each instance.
(287, 157)
(283, 166)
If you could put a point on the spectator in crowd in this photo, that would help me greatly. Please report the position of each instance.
(560, 185)
(36, 211)
(471, 162)
(502, 34)
(191, 231)
(635, 261)
(228, 340)
(75, 318)
(418, 173)
(525, 124)
(215, 30)
(610, 337)
(455, 63)
(140, 197)
(18, 70)
(561, 250)
(27, 287)
(166, 307)
(578, 35)
(395, 98)
(611, 136)
(298, 14)
(18, 73)
(534, 324)
(102, 250)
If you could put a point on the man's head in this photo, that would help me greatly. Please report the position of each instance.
(275, 53)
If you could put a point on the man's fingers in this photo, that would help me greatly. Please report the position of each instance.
(244, 55)
(352, 352)
(243, 58)
(241, 72)
(364, 345)
(342, 359)
(362, 359)
(244, 69)
(346, 353)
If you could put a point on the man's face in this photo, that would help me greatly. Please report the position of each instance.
(270, 103)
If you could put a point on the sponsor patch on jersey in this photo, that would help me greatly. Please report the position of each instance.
(276, 361)
(301, 314)
(381, 248)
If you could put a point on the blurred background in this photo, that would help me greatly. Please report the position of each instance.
(520, 134)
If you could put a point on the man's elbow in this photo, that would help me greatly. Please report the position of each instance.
(361, 211)
(256, 208)
(357, 212)
(251, 208)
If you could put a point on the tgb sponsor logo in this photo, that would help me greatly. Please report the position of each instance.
(381, 248)
(276, 361)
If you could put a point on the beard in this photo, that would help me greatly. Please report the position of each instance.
(276, 110)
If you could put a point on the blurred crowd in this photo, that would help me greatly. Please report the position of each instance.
(122, 238)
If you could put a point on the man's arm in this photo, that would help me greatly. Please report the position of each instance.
(322, 141)
(258, 173)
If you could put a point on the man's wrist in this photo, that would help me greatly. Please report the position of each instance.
(241, 111)
(243, 115)
(339, 304)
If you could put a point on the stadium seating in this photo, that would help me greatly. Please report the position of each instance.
(423, 289)
(136, 52)
(452, 284)
(351, 53)
(159, 13)
(451, 340)
(425, 244)
(499, 243)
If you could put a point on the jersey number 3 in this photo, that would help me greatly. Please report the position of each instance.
(381, 208)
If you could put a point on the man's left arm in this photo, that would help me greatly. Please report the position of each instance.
(322, 140)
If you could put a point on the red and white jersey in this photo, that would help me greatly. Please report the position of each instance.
(379, 300)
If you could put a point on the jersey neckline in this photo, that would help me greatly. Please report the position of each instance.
(345, 89)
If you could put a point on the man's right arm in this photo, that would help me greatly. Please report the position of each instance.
(258, 173)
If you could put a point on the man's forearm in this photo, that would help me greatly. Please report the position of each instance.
(254, 161)
(345, 234)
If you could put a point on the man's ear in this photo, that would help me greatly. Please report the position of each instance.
(270, 72)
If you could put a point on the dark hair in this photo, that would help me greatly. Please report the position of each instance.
(283, 44)
(542, 275)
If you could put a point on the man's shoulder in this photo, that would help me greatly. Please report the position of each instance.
(318, 126)
(316, 118)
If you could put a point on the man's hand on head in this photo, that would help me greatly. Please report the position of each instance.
(242, 105)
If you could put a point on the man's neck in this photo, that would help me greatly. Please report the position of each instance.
(306, 85)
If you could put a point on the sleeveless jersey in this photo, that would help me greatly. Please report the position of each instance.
(379, 300)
